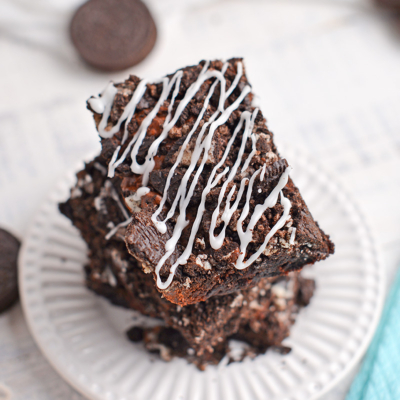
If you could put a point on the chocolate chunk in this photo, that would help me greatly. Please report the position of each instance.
(228, 253)
(113, 35)
(263, 143)
(144, 148)
(158, 180)
(173, 339)
(9, 247)
(306, 291)
(147, 244)
(135, 334)
(271, 175)
(281, 349)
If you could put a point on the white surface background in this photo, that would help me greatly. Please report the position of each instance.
(327, 73)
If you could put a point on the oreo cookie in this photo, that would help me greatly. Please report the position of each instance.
(113, 35)
(9, 248)
(390, 4)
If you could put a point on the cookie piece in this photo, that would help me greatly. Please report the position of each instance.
(113, 35)
(9, 247)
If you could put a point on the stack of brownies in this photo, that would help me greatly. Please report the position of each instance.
(191, 217)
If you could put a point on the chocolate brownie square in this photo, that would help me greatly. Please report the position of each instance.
(210, 207)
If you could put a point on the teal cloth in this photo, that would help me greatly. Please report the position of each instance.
(379, 376)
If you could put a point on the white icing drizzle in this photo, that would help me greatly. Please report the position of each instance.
(161, 226)
(253, 142)
(184, 202)
(114, 195)
(137, 140)
(142, 191)
(264, 167)
(97, 104)
(246, 236)
(216, 242)
(107, 99)
(114, 230)
(199, 157)
(292, 236)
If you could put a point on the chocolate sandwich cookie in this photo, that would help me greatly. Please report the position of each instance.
(391, 4)
(113, 34)
(9, 247)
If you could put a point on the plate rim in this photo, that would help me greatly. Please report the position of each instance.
(377, 251)
(62, 372)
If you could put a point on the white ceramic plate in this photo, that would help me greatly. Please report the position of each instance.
(83, 337)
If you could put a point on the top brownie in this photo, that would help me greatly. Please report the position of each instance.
(209, 204)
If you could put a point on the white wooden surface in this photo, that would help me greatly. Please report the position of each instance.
(327, 73)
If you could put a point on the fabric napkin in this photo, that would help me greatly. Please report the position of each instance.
(379, 377)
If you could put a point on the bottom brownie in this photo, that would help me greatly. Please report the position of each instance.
(260, 316)
(259, 324)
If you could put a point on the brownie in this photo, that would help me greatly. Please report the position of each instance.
(260, 319)
(210, 208)
(260, 316)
